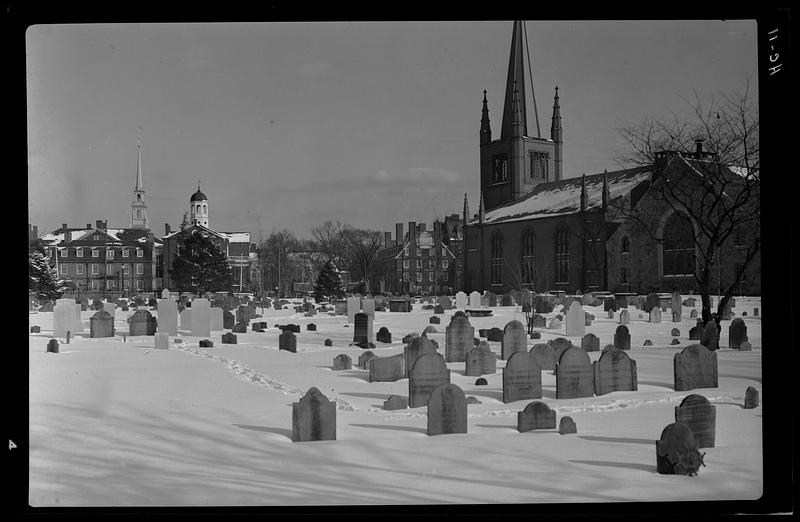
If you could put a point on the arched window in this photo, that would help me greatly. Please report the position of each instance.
(198, 209)
(678, 246)
(625, 247)
(138, 213)
(527, 251)
(138, 198)
(205, 209)
(497, 258)
(562, 254)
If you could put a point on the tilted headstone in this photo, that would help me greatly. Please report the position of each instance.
(567, 426)
(655, 315)
(142, 323)
(342, 362)
(737, 334)
(287, 341)
(447, 410)
(386, 369)
(201, 318)
(750, 398)
(428, 372)
(522, 378)
(590, 342)
(701, 416)
(514, 339)
(624, 317)
(710, 337)
(395, 402)
(364, 358)
(545, 356)
(622, 338)
(536, 416)
(576, 320)
(461, 300)
(574, 375)
(101, 324)
(458, 339)
(651, 301)
(475, 301)
(480, 361)
(313, 417)
(695, 367)
(52, 345)
(559, 344)
(614, 371)
(676, 451)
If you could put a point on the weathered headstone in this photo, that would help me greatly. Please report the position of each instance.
(750, 398)
(622, 338)
(538, 321)
(576, 320)
(206, 343)
(342, 362)
(340, 307)
(677, 307)
(545, 356)
(62, 318)
(514, 339)
(444, 302)
(161, 341)
(186, 319)
(384, 335)
(328, 342)
(710, 337)
(567, 426)
(368, 307)
(427, 330)
(313, 417)
(353, 307)
(239, 328)
(362, 333)
(574, 375)
(651, 301)
(427, 372)
(36, 329)
(555, 324)
(695, 333)
(395, 402)
(676, 451)
(101, 324)
(695, 367)
(386, 369)
(52, 345)
(228, 338)
(494, 334)
(522, 378)
(447, 410)
(458, 339)
(168, 316)
(142, 323)
(364, 358)
(655, 315)
(701, 416)
(474, 300)
(480, 361)
(201, 318)
(408, 337)
(559, 344)
(216, 319)
(614, 371)
(537, 415)
(737, 334)
(287, 341)
(461, 300)
(624, 317)
(590, 342)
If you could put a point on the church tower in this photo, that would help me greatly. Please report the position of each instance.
(514, 164)
(198, 208)
(138, 206)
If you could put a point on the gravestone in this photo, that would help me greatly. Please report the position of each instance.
(480, 361)
(142, 323)
(611, 314)
(328, 342)
(614, 371)
(522, 378)
(52, 345)
(737, 334)
(458, 339)
(384, 335)
(590, 342)
(480, 381)
(555, 324)
(342, 362)
(710, 337)
(693, 314)
(701, 416)
(566, 426)
(244, 314)
(444, 302)
(538, 321)
(287, 341)
(675, 332)
(186, 319)
(435, 320)
(576, 320)
(750, 398)
(311, 327)
(461, 300)
(622, 338)
(362, 333)
(408, 337)
(695, 333)
(514, 339)
(340, 307)
(205, 343)
(364, 358)
(168, 316)
(624, 317)
(47, 306)
(395, 402)
(536, 416)
(368, 307)
(487, 299)
(386, 369)
(690, 302)
(165, 293)
(228, 320)
(353, 307)
(677, 307)
(256, 327)
(574, 375)
(559, 344)
(545, 356)
(695, 367)
(543, 304)
(62, 318)
(216, 319)
(474, 300)
(494, 334)
(651, 301)
(161, 341)
(228, 338)
(676, 451)
(313, 417)
(417, 347)
(675, 341)
(506, 300)
(101, 324)
(447, 410)
(745, 347)
(536, 335)
(201, 318)
(36, 329)
(428, 372)
(610, 304)
(427, 330)
(239, 328)
(399, 305)
(655, 315)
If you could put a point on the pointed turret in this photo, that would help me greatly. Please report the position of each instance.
(518, 119)
(466, 209)
(486, 128)
(556, 136)
(583, 192)
(606, 195)
(138, 206)
(139, 186)
(516, 75)
(481, 214)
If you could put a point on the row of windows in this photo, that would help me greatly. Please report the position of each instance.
(431, 277)
(97, 284)
(96, 252)
(527, 265)
(205, 209)
(425, 252)
(94, 268)
(431, 263)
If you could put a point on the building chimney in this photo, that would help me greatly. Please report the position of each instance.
(68, 236)
(167, 230)
(422, 227)
(63, 226)
(88, 226)
(99, 223)
(398, 233)
(387, 239)
(412, 231)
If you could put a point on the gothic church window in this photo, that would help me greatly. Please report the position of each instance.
(539, 163)
(678, 246)
(497, 258)
(528, 239)
(625, 248)
(562, 254)
(499, 168)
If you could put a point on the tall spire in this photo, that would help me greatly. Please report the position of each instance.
(517, 121)
(555, 126)
(139, 185)
(466, 209)
(606, 195)
(481, 214)
(583, 193)
(138, 206)
(486, 128)
(516, 75)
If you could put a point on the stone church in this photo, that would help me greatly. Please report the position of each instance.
(537, 229)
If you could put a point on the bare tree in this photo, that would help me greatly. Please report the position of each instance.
(331, 239)
(274, 257)
(361, 247)
(718, 190)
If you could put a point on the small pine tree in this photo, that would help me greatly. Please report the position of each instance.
(200, 266)
(329, 283)
(43, 278)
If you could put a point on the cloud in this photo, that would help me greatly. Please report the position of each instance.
(312, 70)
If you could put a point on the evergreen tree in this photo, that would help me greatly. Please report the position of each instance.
(42, 277)
(328, 284)
(200, 266)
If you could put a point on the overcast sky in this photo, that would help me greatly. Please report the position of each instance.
(368, 123)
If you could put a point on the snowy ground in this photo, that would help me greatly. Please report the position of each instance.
(116, 423)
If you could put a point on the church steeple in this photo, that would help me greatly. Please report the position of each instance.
(486, 128)
(466, 209)
(481, 214)
(138, 206)
(515, 80)
(556, 136)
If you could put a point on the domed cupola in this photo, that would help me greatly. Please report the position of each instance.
(198, 208)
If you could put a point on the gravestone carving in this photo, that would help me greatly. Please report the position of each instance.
(574, 375)
(614, 371)
(428, 372)
(480, 361)
(695, 367)
(701, 416)
(522, 378)
(313, 417)
(536, 416)
(447, 410)
(676, 451)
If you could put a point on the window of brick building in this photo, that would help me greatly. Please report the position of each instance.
(678, 246)
(79, 252)
(95, 268)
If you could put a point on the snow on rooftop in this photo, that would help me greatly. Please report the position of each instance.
(237, 237)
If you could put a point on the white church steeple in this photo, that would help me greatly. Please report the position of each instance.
(138, 206)
(198, 208)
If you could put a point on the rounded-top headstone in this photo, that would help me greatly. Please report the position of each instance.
(567, 425)
(574, 356)
(480, 381)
